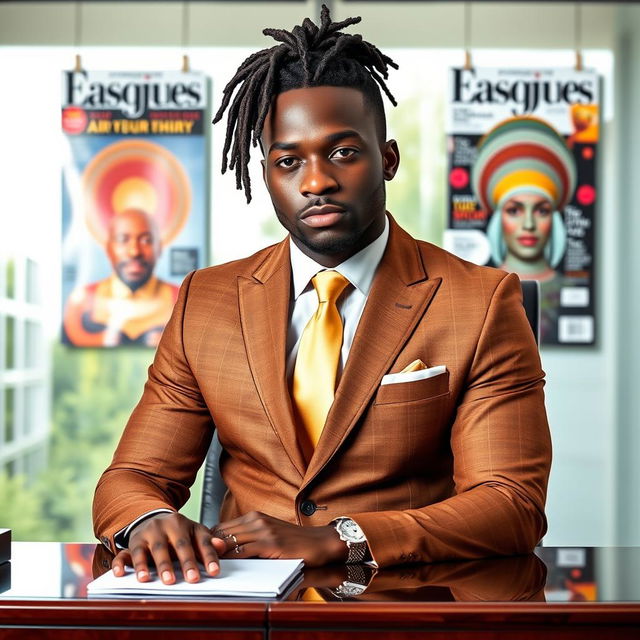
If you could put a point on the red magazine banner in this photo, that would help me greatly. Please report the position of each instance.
(522, 147)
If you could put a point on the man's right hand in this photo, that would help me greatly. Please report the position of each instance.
(162, 538)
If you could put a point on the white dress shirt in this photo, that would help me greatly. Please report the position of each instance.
(359, 270)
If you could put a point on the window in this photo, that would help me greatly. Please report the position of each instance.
(32, 291)
(10, 273)
(9, 345)
(32, 344)
(9, 414)
(93, 392)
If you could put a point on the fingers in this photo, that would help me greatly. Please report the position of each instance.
(207, 551)
(122, 560)
(223, 528)
(140, 562)
(247, 550)
(185, 552)
(165, 537)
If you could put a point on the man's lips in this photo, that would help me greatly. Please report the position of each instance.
(325, 215)
(528, 241)
(134, 266)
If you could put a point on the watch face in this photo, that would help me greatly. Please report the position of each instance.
(351, 531)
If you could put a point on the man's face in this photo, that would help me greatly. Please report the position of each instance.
(133, 248)
(325, 168)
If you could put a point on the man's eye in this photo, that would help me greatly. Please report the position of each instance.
(343, 152)
(286, 162)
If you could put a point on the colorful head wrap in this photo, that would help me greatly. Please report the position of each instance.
(523, 154)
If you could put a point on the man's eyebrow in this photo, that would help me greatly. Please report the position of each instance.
(341, 135)
(334, 137)
(283, 146)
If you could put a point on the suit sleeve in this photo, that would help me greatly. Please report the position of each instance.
(164, 443)
(501, 455)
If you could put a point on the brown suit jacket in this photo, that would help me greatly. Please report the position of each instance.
(453, 466)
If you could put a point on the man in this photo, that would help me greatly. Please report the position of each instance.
(376, 397)
(131, 306)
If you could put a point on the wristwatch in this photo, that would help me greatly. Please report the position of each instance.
(359, 577)
(352, 534)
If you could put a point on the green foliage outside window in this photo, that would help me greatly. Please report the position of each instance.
(94, 393)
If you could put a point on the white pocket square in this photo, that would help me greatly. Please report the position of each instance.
(412, 376)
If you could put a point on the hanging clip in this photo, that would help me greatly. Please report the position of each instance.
(468, 65)
(186, 67)
(577, 30)
(78, 66)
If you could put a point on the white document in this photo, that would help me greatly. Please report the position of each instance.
(251, 578)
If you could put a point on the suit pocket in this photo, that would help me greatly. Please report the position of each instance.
(413, 391)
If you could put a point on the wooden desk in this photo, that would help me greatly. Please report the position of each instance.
(569, 594)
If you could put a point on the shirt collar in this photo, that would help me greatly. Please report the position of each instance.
(359, 269)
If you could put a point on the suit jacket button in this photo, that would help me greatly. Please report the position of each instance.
(105, 563)
(105, 541)
(308, 507)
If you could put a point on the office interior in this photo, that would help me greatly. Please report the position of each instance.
(63, 408)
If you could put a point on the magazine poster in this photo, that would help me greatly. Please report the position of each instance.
(134, 202)
(522, 146)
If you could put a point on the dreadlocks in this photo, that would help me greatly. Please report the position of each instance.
(308, 56)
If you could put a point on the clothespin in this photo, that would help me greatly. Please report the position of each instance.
(467, 60)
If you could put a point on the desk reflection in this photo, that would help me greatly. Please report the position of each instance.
(517, 578)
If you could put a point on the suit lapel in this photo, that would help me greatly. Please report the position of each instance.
(398, 299)
(264, 316)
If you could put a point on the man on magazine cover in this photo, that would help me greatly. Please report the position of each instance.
(376, 397)
(132, 305)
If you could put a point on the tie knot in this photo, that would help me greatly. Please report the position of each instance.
(329, 285)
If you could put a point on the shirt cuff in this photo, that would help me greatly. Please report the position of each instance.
(121, 538)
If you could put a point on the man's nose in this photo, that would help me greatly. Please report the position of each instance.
(133, 248)
(318, 179)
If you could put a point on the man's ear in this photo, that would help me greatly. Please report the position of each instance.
(390, 159)
(264, 170)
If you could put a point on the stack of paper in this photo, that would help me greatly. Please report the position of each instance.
(246, 578)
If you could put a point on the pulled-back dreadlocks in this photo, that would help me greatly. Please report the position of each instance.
(308, 56)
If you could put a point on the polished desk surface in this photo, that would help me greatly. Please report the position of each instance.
(597, 589)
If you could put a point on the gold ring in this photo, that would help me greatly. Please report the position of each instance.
(235, 540)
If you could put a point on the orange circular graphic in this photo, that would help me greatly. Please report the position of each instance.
(136, 174)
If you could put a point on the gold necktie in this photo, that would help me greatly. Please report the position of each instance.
(314, 375)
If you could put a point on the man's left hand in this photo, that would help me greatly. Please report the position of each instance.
(257, 535)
